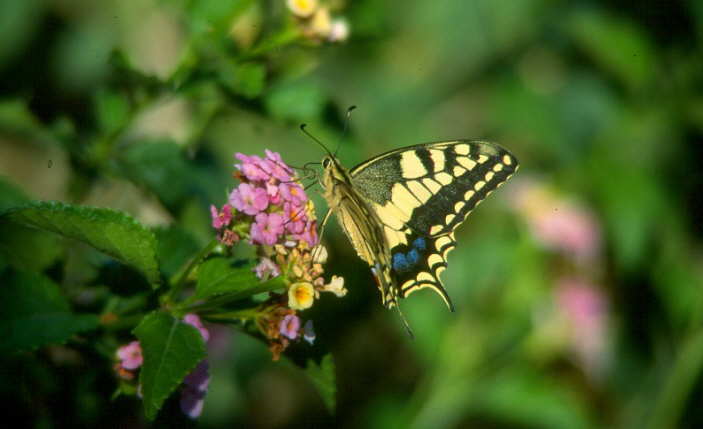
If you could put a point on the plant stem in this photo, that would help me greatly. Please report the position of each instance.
(181, 277)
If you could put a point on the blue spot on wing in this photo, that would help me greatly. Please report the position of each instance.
(412, 257)
(419, 244)
(399, 262)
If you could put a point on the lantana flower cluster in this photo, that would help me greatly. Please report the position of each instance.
(195, 384)
(573, 234)
(316, 22)
(270, 209)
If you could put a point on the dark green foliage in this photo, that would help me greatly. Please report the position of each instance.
(323, 377)
(114, 233)
(35, 313)
(171, 349)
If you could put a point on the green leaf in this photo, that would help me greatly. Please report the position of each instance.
(16, 118)
(27, 248)
(109, 231)
(160, 167)
(247, 79)
(296, 101)
(11, 195)
(34, 313)
(19, 21)
(619, 46)
(23, 248)
(175, 247)
(171, 349)
(214, 16)
(323, 378)
(218, 276)
(112, 110)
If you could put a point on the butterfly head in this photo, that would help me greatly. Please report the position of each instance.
(333, 173)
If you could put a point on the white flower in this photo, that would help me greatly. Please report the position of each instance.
(339, 32)
(336, 286)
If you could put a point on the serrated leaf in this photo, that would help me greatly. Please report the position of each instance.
(218, 276)
(34, 314)
(171, 350)
(323, 377)
(109, 231)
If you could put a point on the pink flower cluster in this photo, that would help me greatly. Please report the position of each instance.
(269, 196)
(290, 328)
(557, 223)
(585, 308)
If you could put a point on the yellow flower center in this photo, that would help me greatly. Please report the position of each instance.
(301, 296)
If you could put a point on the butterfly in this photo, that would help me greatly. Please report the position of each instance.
(400, 209)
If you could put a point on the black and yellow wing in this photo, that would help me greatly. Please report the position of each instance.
(420, 195)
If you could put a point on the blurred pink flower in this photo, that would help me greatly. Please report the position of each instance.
(130, 355)
(557, 223)
(290, 325)
(293, 193)
(585, 309)
(274, 194)
(194, 320)
(267, 228)
(276, 167)
(249, 199)
(266, 269)
(309, 234)
(252, 167)
(295, 217)
(221, 219)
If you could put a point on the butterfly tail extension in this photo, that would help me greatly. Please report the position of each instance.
(404, 320)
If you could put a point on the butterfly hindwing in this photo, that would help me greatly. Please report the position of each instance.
(421, 194)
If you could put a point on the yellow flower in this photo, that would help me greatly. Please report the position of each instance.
(321, 24)
(301, 296)
(302, 8)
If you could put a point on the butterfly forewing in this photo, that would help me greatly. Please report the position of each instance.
(420, 195)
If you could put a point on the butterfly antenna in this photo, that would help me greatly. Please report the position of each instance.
(347, 119)
(302, 128)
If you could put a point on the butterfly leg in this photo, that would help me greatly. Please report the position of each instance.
(318, 248)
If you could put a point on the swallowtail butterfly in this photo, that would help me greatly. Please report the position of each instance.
(400, 209)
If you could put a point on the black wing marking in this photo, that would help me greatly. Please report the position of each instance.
(422, 194)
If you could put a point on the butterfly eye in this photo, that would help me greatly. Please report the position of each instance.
(326, 162)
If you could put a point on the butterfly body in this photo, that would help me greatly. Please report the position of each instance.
(400, 209)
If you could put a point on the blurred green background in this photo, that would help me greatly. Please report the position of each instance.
(577, 284)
